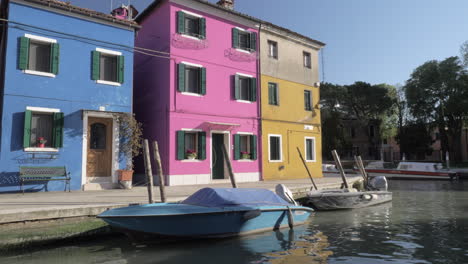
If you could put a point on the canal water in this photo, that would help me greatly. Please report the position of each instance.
(427, 222)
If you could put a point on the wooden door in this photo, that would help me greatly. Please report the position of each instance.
(217, 156)
(99, 150)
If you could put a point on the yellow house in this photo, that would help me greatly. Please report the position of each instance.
(290, 110)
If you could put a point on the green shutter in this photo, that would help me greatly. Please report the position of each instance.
(253, 89)
(253, 147)
(236, 87)
(201, 146)
(270, 94)
(237, 154)
(27, 129)
(54, 58)
(23, 59)
(95, 75)
(181, 78)
(180, 22)
(202, 27)
(203, 81)
(57, 131)
(235, 37)
(121, 69)
(253, 41)
(180, 145)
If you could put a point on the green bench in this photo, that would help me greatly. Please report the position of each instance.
(46, 174)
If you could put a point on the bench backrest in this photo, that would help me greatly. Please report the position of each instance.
(42, 171)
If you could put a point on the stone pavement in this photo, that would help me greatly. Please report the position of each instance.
(17, 207)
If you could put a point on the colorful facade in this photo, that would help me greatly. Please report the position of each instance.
(290, 110)
(198, 92)
(66, 74)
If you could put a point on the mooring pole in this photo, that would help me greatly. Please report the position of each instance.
(159, 168)
(340, 168)
(149, 172)
(228, 163)
(307, 169)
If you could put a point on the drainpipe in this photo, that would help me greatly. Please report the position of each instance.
(259, 105)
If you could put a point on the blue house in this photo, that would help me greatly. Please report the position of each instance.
(66, 76)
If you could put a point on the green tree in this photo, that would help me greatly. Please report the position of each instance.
(437, 93)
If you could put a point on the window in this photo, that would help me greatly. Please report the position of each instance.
(371, 131)
(352, 132)
(43, 128)
(98, 136)
(191, 145)
(273, 95)
(108, 67)
(192, 79)
(245, 147)
(245, 88)
(307, 100)
(272, 49)
(39, 55)
(191, 24)
(244, 40)
(274, 148)
(310, 148)
(307, 60)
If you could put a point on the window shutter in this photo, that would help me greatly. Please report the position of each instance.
(201, 146)
(253, 89)
(23, 53)
(203, 81)
(54, 58)
(202, 27)
(253, 147)
(253, 41)
(180, 22)
(236, 87)
(235, 37)
(57, 131)
(237, 154)
(181, 77)
(121, 69)
(27, 129)
(270, 94)
(96, 65)
(180, 145)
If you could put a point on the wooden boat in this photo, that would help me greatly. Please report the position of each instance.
(412, 170)
(209, 212)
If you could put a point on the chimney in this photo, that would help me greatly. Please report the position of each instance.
(228, 4)
(125, 12)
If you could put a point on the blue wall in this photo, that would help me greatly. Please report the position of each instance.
(71, 91)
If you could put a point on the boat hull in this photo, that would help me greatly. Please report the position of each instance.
(216, 222)
(338, 199)
(405, 174)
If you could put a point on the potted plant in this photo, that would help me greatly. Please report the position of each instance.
(131, 143)
(245, 155)
(41, 142)
(191, 154)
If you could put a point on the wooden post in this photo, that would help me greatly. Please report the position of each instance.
(366, 177)
(157, 158)
(358, 165)
(228, 163)
(149, 172)
(307, 169)
(340, 168)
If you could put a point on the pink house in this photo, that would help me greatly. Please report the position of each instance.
(195, 90)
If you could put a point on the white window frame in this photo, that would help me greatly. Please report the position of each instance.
(313, 150)
(243, 50)
(246, 76)
(47, 111)
(40, 39)
(307, 64)
(194, 15)
(281, 147)
(192, 65)
(270, 50)
(109, 52)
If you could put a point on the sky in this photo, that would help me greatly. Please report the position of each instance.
(375, 41)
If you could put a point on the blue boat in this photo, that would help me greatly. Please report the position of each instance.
(209, 212)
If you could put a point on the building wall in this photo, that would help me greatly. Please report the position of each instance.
(71, 91)
(183, 111)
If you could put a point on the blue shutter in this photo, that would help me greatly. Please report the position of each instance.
(235, 37)
(201, 145)
(253, 41)
(202, 27)
(27, 129)
(180, 145)
(180, 22)
(181, 77)
(237, 154)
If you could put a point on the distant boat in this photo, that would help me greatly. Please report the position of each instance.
(209, 212)
(412, 170)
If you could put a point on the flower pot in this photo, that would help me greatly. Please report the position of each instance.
(245, 156)
(41, 145)
(125, 175)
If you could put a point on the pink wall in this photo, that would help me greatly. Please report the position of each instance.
(159, 81)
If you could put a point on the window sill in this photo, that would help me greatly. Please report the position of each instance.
(275, 161)
(243, 50)
(45, 74)
(108, 83)
(190, 37)
(192, 94)
(41, 150)
(244, 101)
(189, 160)
(245, 160)
(310, 161)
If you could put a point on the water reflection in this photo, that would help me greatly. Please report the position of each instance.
(427, 222)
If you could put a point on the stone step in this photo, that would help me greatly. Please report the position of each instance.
(100, 186)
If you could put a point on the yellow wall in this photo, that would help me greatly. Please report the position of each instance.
(294, 124)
